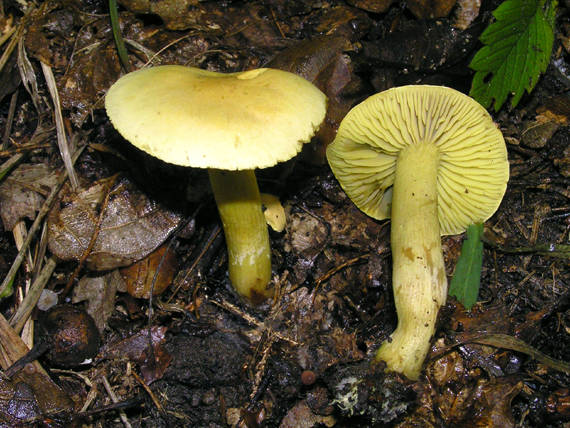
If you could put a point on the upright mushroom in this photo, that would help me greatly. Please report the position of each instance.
(231, 124)
(432, 159)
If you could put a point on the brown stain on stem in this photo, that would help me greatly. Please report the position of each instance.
(408, 253)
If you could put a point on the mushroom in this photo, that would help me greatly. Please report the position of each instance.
(231, 124)
(432, 159)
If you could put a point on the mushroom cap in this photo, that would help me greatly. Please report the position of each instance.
(473, 166)
(192, 117)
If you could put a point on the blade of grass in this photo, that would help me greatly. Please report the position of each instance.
(119, 42)
(62, 141)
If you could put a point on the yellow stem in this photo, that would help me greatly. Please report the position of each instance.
(247, 239)
(418, 273)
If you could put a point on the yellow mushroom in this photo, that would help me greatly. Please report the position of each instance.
(231, 124)
(432, 159)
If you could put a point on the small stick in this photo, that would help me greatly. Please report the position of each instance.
(251, 320)
(27, 306)
(115, 400)
(149, 392)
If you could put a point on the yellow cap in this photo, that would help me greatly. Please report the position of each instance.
(192, 117)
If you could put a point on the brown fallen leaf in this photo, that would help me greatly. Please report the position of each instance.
(140, 276)
(429, 9)
(176, 14)
(99, 292)
(152, 361)
(376, 6)
(132, 226)
(492, 403)
(465, 13)
(22, 193)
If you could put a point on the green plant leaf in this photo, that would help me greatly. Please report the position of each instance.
(517, 50)
(465, 283)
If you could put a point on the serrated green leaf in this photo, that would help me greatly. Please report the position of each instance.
(517, 50)
(465, 283)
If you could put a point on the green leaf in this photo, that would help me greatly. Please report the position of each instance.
(7, 291)
(465, 283)
(517, 50)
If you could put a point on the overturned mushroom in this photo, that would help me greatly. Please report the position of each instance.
(432, 159)
(231, 124)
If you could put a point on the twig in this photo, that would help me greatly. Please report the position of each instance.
(13, 151)
(50, 200)
(9, 119)
(251, 320)
(9, 164)
(115, 400)
(149, 392)
(16, 35)
(27, 306)
(552, 250)
(277, 23)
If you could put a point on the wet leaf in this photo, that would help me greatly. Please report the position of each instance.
(466, 12)
(93, 67)
(49, 34)
(140, 276)
(538, 132)
(136, 348)
(22, 192)
(17, 403)
(376, 6)
(428, 9)
(132, 226)
(492, 402)
(411, 46)
(176, 14)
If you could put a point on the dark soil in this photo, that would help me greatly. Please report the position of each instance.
(302, 360)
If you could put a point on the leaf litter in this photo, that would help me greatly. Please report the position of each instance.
(216, 360)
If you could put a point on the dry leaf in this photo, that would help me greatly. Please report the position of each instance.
(22, 192)
(99, 292)
(132, 225)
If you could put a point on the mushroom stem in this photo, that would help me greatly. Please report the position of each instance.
(247, 239)
(418, 275)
